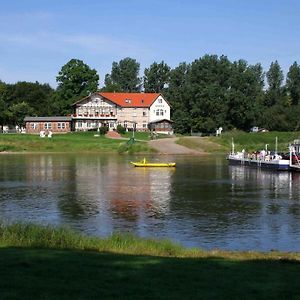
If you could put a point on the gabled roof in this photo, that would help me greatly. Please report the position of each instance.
(161, 120)
(48, 119)
(131, 99)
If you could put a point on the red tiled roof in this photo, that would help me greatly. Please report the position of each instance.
(131, 99)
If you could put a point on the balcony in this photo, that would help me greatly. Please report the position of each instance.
(94, 116)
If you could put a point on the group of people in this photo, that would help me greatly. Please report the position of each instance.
(262, 155)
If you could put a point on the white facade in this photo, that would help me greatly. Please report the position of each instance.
(160, 109)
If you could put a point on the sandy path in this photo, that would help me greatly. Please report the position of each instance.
(168, 146)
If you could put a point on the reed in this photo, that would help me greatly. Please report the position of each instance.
(39, 262)
(37, 236)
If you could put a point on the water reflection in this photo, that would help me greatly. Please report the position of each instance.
(203, 202)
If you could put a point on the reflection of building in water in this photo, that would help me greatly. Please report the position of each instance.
(97, 188)
(135, 193)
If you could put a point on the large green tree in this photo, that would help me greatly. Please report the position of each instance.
(36, 95)
(75, 80)
(18, 111)
(177, 95)
(293, 83)
(208, 82)
(124, 76)
(156, 77)
(244, 95)
(274, 79)
(3, 106)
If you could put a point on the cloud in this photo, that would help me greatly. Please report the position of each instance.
(74, 43)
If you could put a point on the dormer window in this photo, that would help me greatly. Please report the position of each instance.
(128, 100)
(142, 100)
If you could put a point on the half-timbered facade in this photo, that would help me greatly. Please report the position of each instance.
(127, 109)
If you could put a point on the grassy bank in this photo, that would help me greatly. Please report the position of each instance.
(70, 142)
(242, 140)
(43, 263)
(256, 141)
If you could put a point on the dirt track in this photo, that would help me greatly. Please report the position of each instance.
(168, 146)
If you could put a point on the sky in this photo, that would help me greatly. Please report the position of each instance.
(37, 37)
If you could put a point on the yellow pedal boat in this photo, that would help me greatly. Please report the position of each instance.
(144, 163)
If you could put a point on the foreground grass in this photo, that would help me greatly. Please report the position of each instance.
(43, 263)
(70, 142)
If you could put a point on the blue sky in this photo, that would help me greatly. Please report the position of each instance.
(37, 37)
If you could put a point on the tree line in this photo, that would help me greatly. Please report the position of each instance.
(208, 93)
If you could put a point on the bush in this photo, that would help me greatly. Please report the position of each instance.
(121, 129)
(103, 130)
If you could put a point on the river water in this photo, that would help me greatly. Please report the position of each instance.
(202, 203)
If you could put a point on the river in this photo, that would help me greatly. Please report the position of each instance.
(202, 202)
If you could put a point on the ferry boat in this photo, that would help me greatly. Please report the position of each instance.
(295, 156)
(145, 163)
(260, 159)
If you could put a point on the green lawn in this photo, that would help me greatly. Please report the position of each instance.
(43, 263)
(256, 141)
(242, 140)
(70, 142)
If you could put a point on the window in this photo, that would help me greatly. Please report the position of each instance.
(79, 124)
(33, 126)
(144, 125)
(157, 112)
(144, 113)
(134, 112)
(161, 112)
(61, 125)
(159, 100)
(48, 125)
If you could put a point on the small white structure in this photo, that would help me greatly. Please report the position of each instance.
(42, 134)
(219, 131)
(50, 134)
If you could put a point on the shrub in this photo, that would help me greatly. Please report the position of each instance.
(103, 129)
(121, 129)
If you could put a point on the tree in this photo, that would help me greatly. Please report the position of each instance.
(18, 112)
(75, 80)
(274, 79)
(110, 86)
(244, 95)
(124, 76)
(293, 83)
(177, 95)
(208, 81)
(156, 77)
(36, 95)
(3, 106)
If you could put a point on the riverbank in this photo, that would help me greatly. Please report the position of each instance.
(70, 142)
(42, 262)
(186, 145)
(242, 140)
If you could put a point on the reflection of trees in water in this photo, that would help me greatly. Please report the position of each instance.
(79, 195)
(204, 193)
(232, 204)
